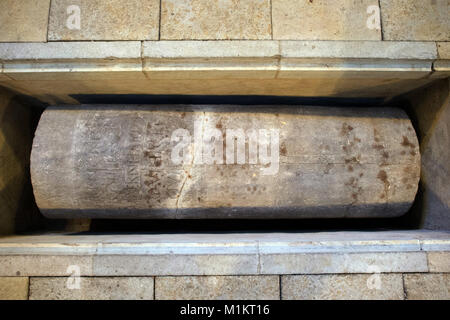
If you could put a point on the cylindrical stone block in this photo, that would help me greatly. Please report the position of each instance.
(224, 162)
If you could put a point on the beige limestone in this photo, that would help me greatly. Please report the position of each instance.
(389, 51)
(210, 59)
(413, 20)
(326, 20)
(439, 261)
(105, 20)
(124, 51)
(217, 288)
(215, 20)
(201, 264)
(342, 287)
(13, 288)
(24, 20)
(96, 288)
(443, 50)
(320, 263)
(433, 286)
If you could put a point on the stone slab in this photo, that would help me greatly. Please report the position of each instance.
(444, 50)
(24, 20)
(218, 20)
(324, 263)
(439, 261)
(13, 288)
(63, 51)
(104, 20)
(210, 59)
(326, 20)
(390, 50)
(176, 264)
(342, 287)
(95, 288)
(74, 70)
(412, 20)
(427, 286)
(44, 265)
(217, 288)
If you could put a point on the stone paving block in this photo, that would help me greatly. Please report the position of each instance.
(24, 20)
(45, 265)
(439, 261)
(432, 286)
(96, 288)
(326, 20)
(342, 287)
(324, 263)
(13, 288)
(215, 20)
(104, 20)
(217, 288)
(170, 264)
(443, 50)
(413, 20)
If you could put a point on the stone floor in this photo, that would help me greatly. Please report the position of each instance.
(322, 265)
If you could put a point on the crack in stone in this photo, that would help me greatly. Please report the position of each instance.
(188, 171)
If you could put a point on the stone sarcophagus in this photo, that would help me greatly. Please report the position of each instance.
(224, 162)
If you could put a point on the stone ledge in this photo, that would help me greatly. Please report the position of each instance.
(57, 51)
(222, 254)
(72, 60)
(217, 60)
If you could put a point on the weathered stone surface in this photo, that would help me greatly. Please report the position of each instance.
(13, 288)
(356, 59)
(23, 20)
(97, 288)
(44, 265)
(321, 263)
(444, 50)
(211, 59)
(343, 51)
(427, 286)
(366, 164)
(105, 20)
(326, 20)
(179, 264)
(217, 288)
(71, 51)
(426, 20)
(215, 20)
(342, 287)
(439, 261)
